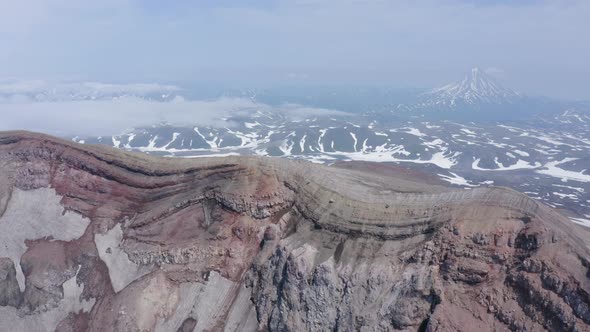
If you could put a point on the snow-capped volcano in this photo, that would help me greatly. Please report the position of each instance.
(476, 87)
(477, 94)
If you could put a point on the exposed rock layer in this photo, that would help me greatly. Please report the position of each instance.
(246, 244)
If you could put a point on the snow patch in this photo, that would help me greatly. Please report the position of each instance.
(456, 179)
(565, 175)
(581, 221)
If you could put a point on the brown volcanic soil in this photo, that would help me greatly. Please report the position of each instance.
(392, 171)
(96, 239)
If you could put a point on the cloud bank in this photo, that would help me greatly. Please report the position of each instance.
(114, 115)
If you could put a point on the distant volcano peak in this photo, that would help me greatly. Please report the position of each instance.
(475, 87)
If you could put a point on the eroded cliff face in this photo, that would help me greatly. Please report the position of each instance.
(95, 239)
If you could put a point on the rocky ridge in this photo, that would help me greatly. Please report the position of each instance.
(251, 243)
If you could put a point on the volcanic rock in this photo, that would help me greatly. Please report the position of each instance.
(97, 239)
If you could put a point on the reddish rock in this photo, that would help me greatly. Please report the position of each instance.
(250, 243)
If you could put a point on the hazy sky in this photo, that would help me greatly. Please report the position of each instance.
(538, 47)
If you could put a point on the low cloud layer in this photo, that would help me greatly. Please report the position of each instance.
(116, 115)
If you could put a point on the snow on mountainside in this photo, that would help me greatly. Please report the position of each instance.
(573, 116)
(552, 149)
(476, 90)
(461, 153)
(477, 87)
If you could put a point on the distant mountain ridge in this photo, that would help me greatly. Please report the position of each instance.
(478, 96)
(42, 91)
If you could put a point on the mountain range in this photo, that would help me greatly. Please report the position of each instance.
(43, 91)
(477, 96)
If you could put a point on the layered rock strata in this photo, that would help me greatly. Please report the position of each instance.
(96, 239)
